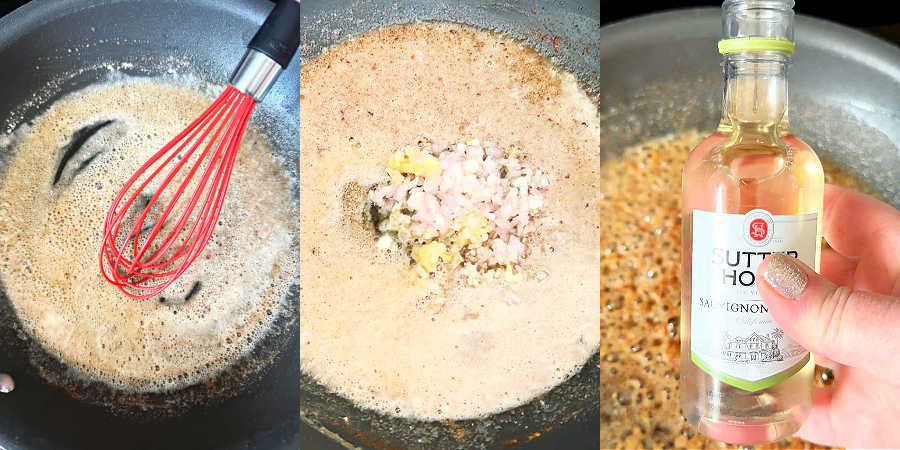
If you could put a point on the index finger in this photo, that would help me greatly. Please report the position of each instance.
(852, 221)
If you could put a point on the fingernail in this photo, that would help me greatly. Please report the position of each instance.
(6, 383)
(785, 275)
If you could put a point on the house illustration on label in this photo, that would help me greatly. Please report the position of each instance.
(754, 348)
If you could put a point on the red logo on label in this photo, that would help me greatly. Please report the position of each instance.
(759, 229)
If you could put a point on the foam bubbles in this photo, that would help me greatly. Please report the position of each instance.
(50, 238)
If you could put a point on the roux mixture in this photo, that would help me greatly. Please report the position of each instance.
(50, 237)
(641, 267)
(443, 350)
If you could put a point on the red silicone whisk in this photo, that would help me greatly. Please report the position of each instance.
(164, 216)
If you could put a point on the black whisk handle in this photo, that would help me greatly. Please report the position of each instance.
(279, 36)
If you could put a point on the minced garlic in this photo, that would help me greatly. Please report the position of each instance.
(412, 161)
(467, 208)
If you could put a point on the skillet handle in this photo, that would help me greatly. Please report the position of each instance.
(279, 36)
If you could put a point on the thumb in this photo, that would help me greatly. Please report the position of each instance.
(854, 328)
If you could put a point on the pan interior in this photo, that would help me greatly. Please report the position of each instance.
(61, 47)
(538, 24)
(662, 78)
(212, 314)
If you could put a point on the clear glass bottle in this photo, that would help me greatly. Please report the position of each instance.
(749, 189)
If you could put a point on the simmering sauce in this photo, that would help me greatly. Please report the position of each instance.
(52, 210)
(440, 350)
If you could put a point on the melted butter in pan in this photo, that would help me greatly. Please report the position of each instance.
(64, 170)
(371, 334)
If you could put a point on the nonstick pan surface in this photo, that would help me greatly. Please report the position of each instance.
(567, 416)
(49, 48)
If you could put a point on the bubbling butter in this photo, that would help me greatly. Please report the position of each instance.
(50, 235)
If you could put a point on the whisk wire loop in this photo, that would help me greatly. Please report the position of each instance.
(134, 261)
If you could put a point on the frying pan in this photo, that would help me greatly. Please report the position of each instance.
(49, 48)
(567, 416)
(661, 75)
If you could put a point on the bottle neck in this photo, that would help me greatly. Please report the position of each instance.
(756, 93)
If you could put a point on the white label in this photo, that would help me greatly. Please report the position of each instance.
(733, 336)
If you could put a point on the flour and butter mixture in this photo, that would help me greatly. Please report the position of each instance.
(400, 329)
(64, 170)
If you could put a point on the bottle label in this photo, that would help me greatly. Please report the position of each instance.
(733, 337)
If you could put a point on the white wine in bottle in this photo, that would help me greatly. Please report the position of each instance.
(750, 189)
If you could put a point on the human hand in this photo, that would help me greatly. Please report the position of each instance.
(849, 318)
